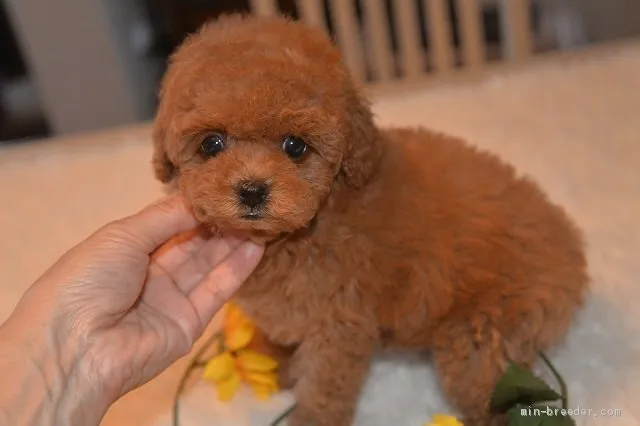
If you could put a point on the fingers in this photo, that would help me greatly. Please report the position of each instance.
(157, 223)
(221, 283)
(190, 263)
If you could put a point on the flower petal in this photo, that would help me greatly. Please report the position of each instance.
(227, 388)
(268, 379)
(219, 368)
(231, 312)
(234, 317)
(444, 420)
(239, 337)
(262, 392)
(251, 360)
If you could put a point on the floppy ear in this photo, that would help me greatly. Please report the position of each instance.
(362, 145)
(163, 168)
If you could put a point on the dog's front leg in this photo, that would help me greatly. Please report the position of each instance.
(332, 364)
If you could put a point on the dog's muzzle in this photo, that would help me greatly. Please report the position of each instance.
(253, 196)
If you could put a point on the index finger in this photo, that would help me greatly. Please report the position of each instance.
(157, 223)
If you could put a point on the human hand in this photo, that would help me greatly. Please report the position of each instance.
(116, 315)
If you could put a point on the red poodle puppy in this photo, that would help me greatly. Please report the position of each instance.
(401, 238)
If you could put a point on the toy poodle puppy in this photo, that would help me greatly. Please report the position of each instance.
(375, 238)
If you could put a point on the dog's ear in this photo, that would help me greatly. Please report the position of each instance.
(363, 146)
(163, 169)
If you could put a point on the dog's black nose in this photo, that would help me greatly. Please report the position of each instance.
(253, 194)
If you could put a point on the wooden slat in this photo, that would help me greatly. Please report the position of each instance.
(377, 30)
(406, 23)
(312, 12)
(348, 36)
(471, 30)
(516, 29)
(264, 7)
(439, 33)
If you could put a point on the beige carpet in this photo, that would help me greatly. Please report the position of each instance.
(574, 125)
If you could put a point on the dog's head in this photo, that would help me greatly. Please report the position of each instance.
(258, 118)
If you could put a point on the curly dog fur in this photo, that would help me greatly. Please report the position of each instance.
(399, 238)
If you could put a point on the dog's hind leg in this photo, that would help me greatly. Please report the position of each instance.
(470, 356)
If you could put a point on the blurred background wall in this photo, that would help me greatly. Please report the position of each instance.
(79, 65)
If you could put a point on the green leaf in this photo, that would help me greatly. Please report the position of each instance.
(538, 415)
(519, 385)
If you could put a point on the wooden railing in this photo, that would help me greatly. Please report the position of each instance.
(365, 34)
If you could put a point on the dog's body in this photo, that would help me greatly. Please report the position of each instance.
(400, 238)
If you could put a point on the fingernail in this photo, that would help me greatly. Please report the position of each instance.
(251, 250)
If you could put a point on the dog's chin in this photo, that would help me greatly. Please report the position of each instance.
(257, 228)
(256, 236)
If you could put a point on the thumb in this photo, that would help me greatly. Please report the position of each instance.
(224, 280)
(157, 223)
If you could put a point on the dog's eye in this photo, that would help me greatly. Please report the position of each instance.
(212, 145)
(293, 146)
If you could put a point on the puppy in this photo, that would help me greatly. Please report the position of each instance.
(375, 238)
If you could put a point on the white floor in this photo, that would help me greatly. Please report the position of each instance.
(574, 126)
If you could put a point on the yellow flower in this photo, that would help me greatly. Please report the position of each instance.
(237, 329)
(444, 420)
(236, 363)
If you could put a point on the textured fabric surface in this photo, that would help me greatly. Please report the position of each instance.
(573, 125)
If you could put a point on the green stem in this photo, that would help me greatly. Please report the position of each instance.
(563, 385)
(195, 363)
(284, 415)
